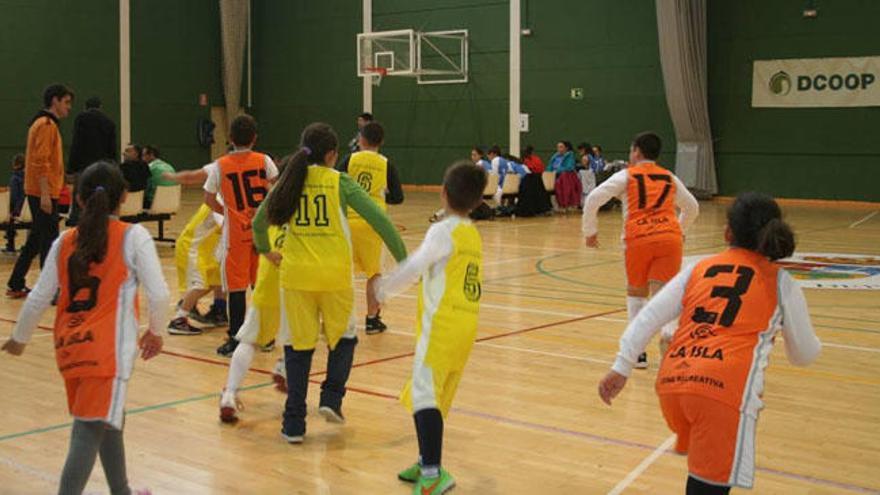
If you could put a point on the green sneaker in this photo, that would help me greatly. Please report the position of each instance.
(410, 474)
(434, 486)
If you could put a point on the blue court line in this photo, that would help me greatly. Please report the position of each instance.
(130, 412)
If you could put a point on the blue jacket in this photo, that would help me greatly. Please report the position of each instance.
(561, 163)
(16, 192)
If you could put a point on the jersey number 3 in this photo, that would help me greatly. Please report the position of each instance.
(732, 294)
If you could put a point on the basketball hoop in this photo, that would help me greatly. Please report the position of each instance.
(376, 74)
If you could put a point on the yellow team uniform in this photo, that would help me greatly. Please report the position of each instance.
(194, 252)
(316, 273)
(264, 316)
(370, 170)
(446, 326)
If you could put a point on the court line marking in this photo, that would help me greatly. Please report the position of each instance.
(864, 219)
(850, 347)
(646, 462)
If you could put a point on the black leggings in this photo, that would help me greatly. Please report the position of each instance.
(237, 310)
(697, 487)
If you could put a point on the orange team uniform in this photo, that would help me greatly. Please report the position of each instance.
(652, 233)
(90, 338)
(711, 378)
(243, 186)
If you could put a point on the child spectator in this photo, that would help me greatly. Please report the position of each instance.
(16, 199)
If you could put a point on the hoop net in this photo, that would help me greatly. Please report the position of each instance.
(376, 74)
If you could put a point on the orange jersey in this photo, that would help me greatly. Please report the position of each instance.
(243, 186)
(87, 316)
(728, 319)
(650, 202)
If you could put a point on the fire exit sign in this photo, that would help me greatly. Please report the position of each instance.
(577, 93)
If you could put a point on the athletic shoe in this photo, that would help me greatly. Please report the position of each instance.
(216, 317)
(181, 326)
(268, 347)
(436, 485)
(410, 474)
(642, 363)
(227, 348)
(374, 325)
(17, 293)
(229, 405)
(195, 315)
(331, 415)
(279, 376)
(292, 438)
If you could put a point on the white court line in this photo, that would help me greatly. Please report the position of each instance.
(511, 260)
(635, 473)
(864, 219)
(851, 347)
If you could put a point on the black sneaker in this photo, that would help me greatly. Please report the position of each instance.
(374, 325)
(17, 293)
(181, 326)
(642, 363)
(269, 347)
(331, 414)
(216, 317)
(227, 348)
(195, 315)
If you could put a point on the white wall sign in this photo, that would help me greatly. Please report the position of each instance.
(816, 82)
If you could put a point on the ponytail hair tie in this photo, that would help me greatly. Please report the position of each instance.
(307, 150)
(99, 189)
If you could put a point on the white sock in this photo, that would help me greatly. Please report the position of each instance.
(634, 305)
(238, 366)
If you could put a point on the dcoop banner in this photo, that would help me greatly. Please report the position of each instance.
(817, 82)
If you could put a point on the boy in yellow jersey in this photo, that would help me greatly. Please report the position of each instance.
(378, 177)
(259, 328)
(317, 296)
(448, 262)
(198, 271)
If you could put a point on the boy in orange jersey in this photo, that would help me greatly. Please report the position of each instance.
(241, 178)
(652, 232)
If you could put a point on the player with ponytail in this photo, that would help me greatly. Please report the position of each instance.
(95, 270)
(728, 308)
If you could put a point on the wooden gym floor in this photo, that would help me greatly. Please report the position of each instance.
(527, 418)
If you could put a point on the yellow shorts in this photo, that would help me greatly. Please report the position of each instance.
(260, 325)
(430, 389)
(305, 314)
(194, 252)
(366, 248)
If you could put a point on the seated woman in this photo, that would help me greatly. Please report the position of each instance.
(568, 186)
(533, 161)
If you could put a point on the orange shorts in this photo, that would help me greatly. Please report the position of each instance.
(657, 259)
(97, 399)
(718, 440)
(240, 269)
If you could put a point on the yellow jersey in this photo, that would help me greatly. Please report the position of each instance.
(370, 170)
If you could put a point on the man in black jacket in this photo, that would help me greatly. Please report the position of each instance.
(94, 138)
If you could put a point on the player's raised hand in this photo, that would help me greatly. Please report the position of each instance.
(150, 344)
(610, 386)
(13, 347)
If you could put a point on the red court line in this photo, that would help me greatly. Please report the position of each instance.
(406, 354)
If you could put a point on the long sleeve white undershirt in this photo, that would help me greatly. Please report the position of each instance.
(615, 187)
(802, 346)
(436, 246)
(141, 259)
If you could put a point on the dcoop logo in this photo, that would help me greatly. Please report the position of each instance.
(780, 83)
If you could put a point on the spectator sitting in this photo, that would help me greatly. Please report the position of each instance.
(583, 150)
(515, 166)
(16, 200)
(533, 161)
(568, 186)
(134, 169)
(597, 161)
(479, 160)
(157, 168)
(499, 166)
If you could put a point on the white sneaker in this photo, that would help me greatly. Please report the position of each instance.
(279, 376)
(292, 438)
(230, 404)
